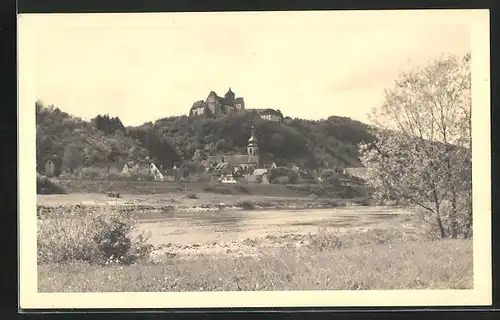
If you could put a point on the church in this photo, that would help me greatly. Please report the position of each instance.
(232, 162)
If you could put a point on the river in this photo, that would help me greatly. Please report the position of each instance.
(234, 225)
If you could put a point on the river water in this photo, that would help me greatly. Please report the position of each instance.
(234, 225)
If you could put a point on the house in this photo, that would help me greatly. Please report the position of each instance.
(49, 168)
(155, 173)
(52, 166)
(198, 108)
(130, 168)
(271, 115)
(261, 175)
(142, 168)
(268, 114)
(217, 105)
(228, 179)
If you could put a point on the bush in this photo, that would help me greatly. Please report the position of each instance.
(324, 240)
(79, 234)
(246, 205)
(191, 195)
(45, 185)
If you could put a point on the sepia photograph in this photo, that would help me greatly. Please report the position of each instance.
(253, 159)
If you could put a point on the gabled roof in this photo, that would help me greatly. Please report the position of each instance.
(239, 159)
(229, 93)
(259, 172)
(198, 104)
(271, 112)
(130, 164)
(213, 94)
(256, 110)
(213, 159)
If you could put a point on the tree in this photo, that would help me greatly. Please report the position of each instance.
(277, 141)
(421, 154)
(113, 154)
(73, 157)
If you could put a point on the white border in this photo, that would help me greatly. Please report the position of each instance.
(480, 295)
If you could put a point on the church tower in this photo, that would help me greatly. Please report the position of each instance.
(252, 148)
(229, 96)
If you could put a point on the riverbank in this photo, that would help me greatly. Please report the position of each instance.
(371, 247)
(186, 201)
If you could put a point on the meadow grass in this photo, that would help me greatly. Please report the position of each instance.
(445, 264)
(392, 258)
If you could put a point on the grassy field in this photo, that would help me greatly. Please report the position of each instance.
(322, 249)
(414, 265)
(166, 187)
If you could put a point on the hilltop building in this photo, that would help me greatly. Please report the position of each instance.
(268, 114)
(220, 106)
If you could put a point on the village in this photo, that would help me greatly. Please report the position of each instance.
(226, 169)
(249, 167)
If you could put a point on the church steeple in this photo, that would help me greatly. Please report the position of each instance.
(252, 148)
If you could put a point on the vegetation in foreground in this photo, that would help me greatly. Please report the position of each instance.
(83, 252)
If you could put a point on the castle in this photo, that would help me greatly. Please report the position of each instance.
(219, 106)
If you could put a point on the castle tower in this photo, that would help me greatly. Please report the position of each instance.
(229, 96)
(252, 148)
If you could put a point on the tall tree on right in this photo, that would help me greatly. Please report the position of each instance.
(421, 154)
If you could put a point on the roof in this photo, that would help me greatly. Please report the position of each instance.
(271, 111)
(239, 101)
(213, 159)
(259, 172)
(198, 104)
(229, 93)
(130, 164)
(256, 110)
(238, 159)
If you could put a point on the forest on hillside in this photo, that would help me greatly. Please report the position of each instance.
(104, 140)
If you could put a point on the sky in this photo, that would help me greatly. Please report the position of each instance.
(142, 67)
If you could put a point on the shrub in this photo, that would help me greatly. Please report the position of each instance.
(45, 185)
(191, 195)
(324, 240)
(79, 234)
(247, 205)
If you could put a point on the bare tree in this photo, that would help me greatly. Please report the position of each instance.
(422, 151)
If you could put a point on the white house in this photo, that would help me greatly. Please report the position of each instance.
(155, 172)
(130, 168)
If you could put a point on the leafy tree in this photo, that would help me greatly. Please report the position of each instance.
(277, 141)
(73, 157)
(422, 151)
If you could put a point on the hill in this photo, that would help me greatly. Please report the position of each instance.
(104, 140)
(77, 142)
(310, 144)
